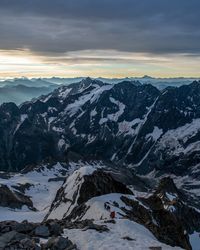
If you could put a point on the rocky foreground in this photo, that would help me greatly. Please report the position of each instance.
(69, 207)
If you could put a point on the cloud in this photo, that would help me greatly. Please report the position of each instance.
(50, 27)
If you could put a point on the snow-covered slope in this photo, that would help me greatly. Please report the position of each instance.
(78, 194)
(124, 234)
(40, 184)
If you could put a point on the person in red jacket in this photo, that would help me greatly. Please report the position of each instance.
(112, 215)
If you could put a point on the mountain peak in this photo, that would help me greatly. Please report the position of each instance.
(129, 82)
(147, 77)
(87, 79)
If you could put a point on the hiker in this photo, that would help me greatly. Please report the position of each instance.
(106, 206)
(112, 215)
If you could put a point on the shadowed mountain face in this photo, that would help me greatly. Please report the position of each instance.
(127, 123)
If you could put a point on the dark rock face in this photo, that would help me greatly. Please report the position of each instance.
(168, 229)
(179, 201)
(169, 217)
(100, 183)
(13, 199)
(167, 185)
(166, 214)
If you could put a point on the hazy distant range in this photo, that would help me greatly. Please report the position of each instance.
(19, 90)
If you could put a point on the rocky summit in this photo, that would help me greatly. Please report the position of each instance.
(94, 165)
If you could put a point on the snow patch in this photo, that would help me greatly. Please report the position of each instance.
(175, 139)
(195, 241)
(42, 192)
(156, 134)
(22, 119)
(142, 238)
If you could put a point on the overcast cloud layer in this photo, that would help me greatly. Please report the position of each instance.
(99, 37)
(49, 26)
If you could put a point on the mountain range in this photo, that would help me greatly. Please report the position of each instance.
(126, 123)
(23, 89)
(19, 90)
(135, 147)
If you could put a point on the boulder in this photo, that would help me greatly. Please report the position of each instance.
(10, 237)
(42, 231)
(25, 227)
(59, 243)
(54, 228)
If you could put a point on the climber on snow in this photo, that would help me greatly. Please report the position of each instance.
(112, 215)
(106, 206)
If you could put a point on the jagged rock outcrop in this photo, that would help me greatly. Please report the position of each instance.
(13, 199)
(177, 201)
(82, 185)
(165, 214)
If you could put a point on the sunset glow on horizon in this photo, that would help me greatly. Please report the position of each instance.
(113, 64)
(111, 38)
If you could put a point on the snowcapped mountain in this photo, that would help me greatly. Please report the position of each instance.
(69, 155)
(160, 83)
(126, 123)
(19, 90)
(89, 113)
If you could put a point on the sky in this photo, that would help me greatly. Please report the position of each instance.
(108, 38)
